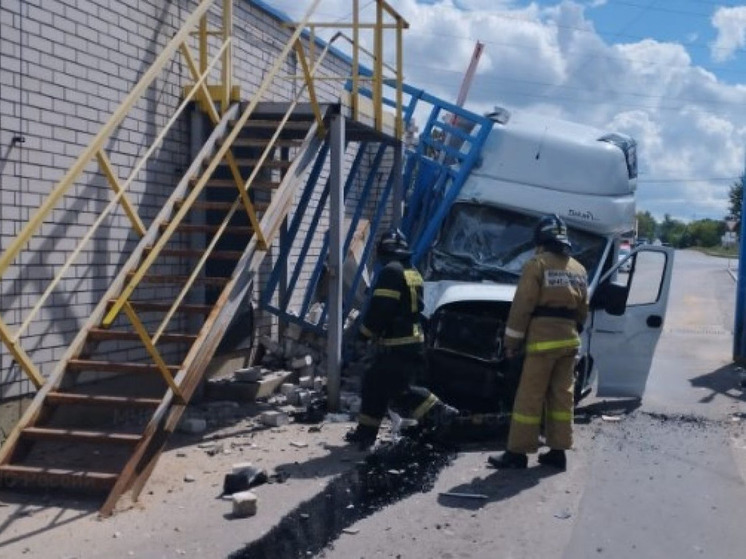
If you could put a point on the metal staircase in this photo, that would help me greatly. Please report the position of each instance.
(101, 419)
(101, 422)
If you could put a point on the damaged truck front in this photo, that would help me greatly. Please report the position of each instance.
(530, 167)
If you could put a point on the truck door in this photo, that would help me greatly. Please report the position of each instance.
(627, 320)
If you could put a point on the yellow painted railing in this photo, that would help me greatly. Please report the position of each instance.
(386, 19)
(208, 95)
(195, 24)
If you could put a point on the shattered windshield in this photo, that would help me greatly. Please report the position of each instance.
(484, 243)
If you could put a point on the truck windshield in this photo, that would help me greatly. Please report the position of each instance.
(484, 243)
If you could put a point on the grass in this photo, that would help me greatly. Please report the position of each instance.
(723, 252)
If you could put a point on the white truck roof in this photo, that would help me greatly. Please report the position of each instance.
(541, 165)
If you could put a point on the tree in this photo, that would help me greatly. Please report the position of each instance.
(705, 232)
(646, 226)
(735, 198)
(673, 231)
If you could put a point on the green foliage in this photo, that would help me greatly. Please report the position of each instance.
(735, 198)
(705, 233)
(646, 226)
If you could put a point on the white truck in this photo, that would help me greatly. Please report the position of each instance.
(531, 166)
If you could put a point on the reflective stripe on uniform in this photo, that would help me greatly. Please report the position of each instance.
(366, 332)
(413, 280)
(417, 337)
(425, 406)
(526, 419)
(552, 344)
(403, 341)
(514, 333)
(559, 415)
(369, 421)
(390, 293)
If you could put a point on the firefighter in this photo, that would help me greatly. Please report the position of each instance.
(548, 311)
(393, 321)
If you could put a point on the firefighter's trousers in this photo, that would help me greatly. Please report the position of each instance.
(546, 386)
(388, 383)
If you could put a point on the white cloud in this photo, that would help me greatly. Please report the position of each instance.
(730, 24)
(690, 126)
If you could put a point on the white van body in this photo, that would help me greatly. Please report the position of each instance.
(532, 166)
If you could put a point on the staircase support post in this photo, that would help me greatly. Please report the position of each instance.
(336, 220)
(398, 186)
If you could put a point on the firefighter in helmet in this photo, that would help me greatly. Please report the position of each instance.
(548, 311)
(393, 322)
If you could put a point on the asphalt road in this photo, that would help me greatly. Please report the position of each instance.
(664, 479)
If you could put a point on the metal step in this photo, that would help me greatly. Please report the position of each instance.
(220, 206)
(256, 184)
(116, 367)
(79, 435)
(109, 334)
(146, 306)
(180, 280)
(196, 253)
(206, 228)
(30, 476)
(68, 398)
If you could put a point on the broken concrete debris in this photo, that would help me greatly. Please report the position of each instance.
(244, 504)
(193, 425)
(243, 477)
(274, 418)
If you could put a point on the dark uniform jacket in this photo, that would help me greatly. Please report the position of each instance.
(393, 316)
(550, 302)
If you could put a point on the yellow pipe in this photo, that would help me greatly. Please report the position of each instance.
(399, 125)
(105, 165)
(355, 58)
(150, 347)
(378, 68)
(21, 356)
(227, 67)
(311, 90)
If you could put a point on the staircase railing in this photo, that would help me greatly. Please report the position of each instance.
(207, 94)
(195, 23)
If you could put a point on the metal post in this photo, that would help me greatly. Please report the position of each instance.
(739, 334)
(398, 186)
(336, 216)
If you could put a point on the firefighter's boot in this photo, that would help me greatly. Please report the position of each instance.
(554, 458)
(508, 461)
(362, 436)
(440, 419)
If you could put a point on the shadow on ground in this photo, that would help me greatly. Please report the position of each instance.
(725, 381)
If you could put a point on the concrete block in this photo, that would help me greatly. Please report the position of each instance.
(246, 391)
(244, 504)
(294, 331)
(270, 345)
(301, 362)
(193, 425)
(274, 418)
(249, 374)
(287, 388)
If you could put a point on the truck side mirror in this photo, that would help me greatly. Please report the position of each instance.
(610, 297)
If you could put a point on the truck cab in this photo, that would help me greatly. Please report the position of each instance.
(531, 166)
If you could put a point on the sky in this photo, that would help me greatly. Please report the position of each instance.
(670, 73)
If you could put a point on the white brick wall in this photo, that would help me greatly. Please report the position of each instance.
(64, 69)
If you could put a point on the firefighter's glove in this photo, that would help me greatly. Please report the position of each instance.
(513, 347)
